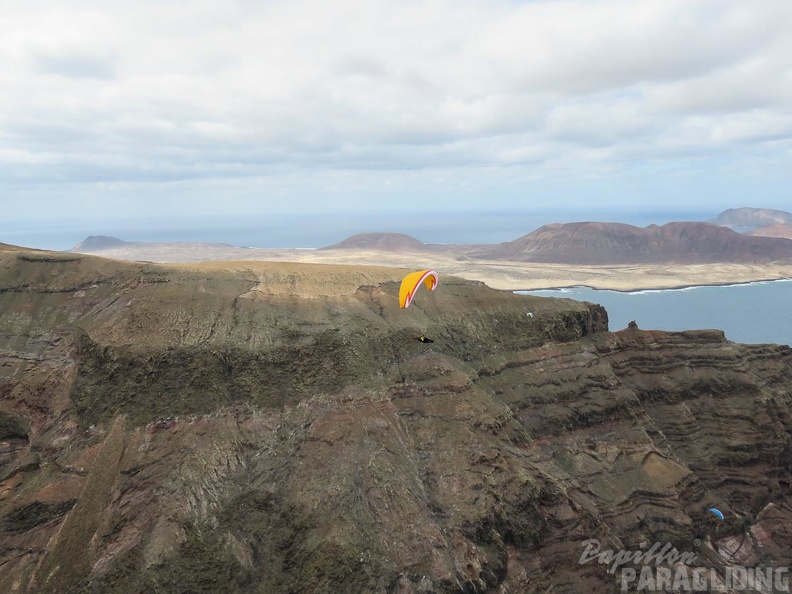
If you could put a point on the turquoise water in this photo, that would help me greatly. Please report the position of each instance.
(749, 313)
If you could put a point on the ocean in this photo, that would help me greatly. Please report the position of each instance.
(751, 313)
(314, 230)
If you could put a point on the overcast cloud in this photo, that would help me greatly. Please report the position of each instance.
(111, 107)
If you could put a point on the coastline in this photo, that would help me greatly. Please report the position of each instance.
(730, 308)
(623, 279)
(658, 290)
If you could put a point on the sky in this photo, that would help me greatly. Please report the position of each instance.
(172, 110)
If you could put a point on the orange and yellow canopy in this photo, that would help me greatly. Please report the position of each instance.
(412, 281)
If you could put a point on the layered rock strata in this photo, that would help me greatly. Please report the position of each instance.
(278, 428)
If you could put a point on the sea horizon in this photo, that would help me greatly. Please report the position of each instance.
(319, 230)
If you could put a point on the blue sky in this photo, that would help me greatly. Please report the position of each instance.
(198, 108)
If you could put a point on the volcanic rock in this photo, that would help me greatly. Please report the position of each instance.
(263, 427)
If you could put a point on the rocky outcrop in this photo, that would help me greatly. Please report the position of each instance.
(278, 428)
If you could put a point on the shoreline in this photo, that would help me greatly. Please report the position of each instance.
(659, 289)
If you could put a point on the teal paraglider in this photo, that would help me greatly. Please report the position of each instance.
(716, 512)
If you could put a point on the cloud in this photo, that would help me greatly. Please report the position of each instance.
(118, 93)
(76, 66)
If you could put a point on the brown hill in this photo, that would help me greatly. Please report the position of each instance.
(264, 427)
(98, 243)
(617, 243)
(784, 231)
(752, 217)
(384, 242)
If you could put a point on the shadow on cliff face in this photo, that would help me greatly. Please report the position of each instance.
(170, 430)
(275, 350)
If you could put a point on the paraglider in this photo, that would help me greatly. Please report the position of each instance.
(716, 512)
(423, 338)
(530, 314)
(412, 281)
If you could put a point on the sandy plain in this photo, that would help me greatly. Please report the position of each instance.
(506, 275)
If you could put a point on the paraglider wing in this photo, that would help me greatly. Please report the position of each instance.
(412, 281)
(716, 512)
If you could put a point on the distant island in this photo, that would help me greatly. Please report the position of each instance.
(599, 244)
(600, 255)
(764, 222)
(98, 243)
(388, 242)
(752, 217)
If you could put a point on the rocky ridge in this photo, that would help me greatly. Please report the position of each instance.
(261, 427)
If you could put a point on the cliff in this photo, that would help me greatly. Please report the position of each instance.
(260, 427)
